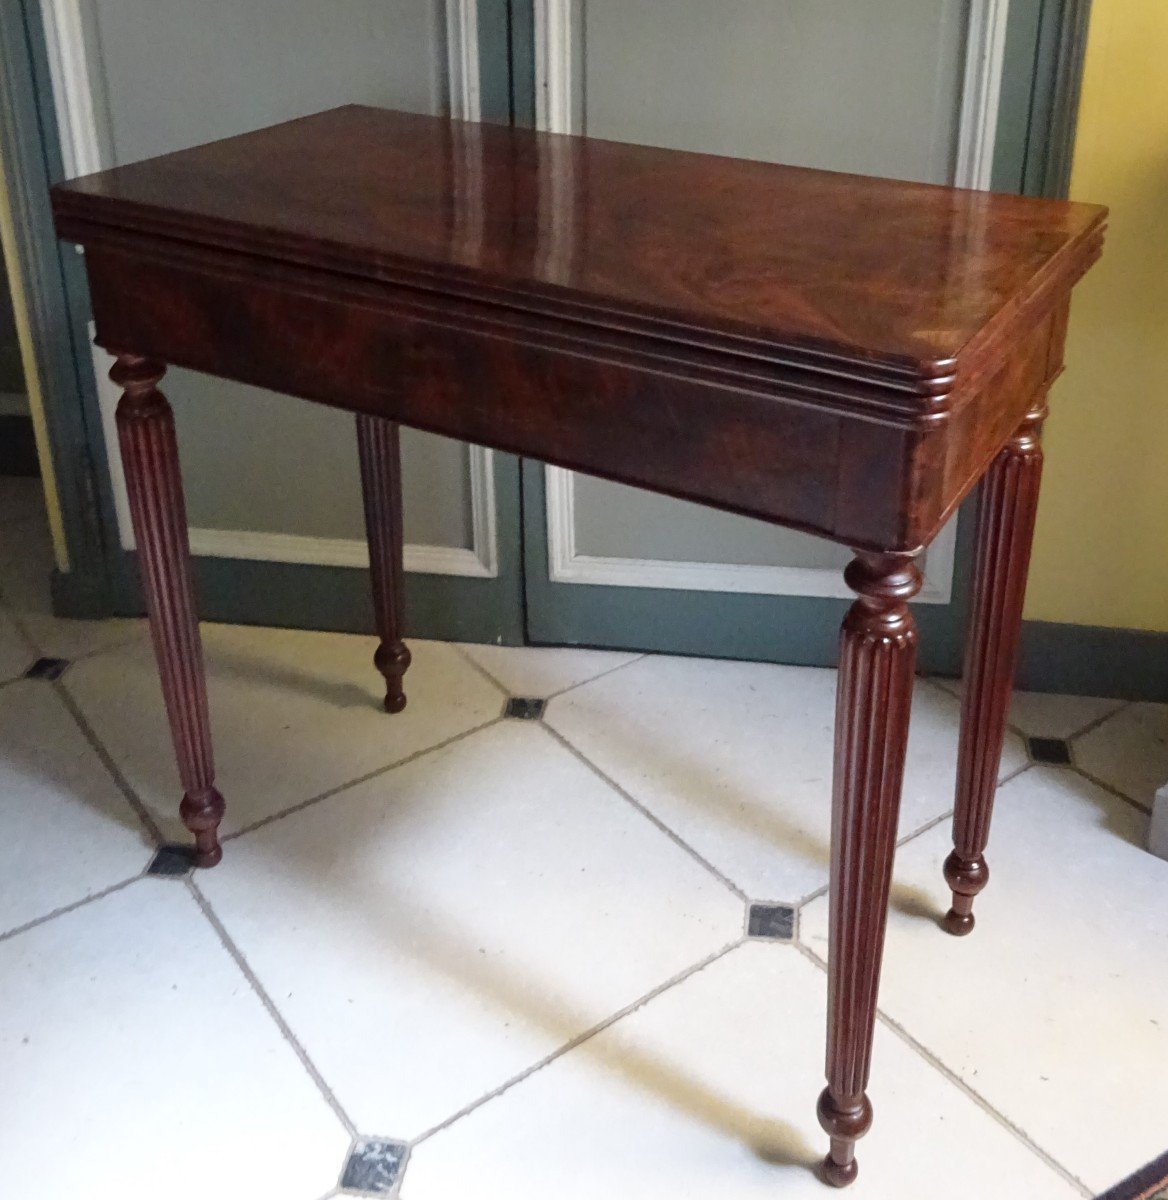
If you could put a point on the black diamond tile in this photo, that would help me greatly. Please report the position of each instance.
(1050, 750)
(773, 921)
(172, 861)
(374, 1167)
(525, 708)
(47, 668)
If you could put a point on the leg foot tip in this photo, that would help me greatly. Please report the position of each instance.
(209, 858)
(840, 1176)
(958, 924)
(394, 704)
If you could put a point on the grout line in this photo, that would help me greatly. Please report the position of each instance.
(959, 696)
(68, 908)
(1013, 775)
(904, 841)
(899, 1030)
(584, 682)
(1106, 787)
(651, 817)
(551, 695)
(242, 963)
(466, 656)
(580, 1039)
(801, 904)
(342, 787)
(916, 833)
(980, 1100)
(131, 796)
(1091, 726)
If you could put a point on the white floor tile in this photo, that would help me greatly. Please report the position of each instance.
(435, 931)
(16, 655)
(292, 713)
(1048, 714)
(709, 1090)
(138, 1063)
(736, 759)
(1129, 751)
(541, 671)
(1055, 1008)
(68, 831)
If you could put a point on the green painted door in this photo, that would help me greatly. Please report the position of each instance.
(272, 484)
(837, 84)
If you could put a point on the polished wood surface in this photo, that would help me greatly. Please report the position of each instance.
(836, 354)
(379, 450)
(1007, 507)
(878, 649)
(785, 257)
(154, 488)
(819, 327)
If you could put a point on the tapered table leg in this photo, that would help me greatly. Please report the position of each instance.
(877, 658)
(1005, 530)
(150, 457)
(378, 445)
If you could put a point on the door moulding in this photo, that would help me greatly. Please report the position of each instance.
(985, 45)
(556, 95)
(462, 59)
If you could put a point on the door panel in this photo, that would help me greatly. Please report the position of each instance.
(614, 521)
(269, 478)
(845, 85)
(836, 84)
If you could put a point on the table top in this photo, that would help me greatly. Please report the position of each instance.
(747, 256)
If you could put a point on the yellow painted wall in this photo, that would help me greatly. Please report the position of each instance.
(1101, 548)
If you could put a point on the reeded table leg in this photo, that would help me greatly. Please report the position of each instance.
(150, 458)
(1005, 529)
(378, 445)
(877, 657)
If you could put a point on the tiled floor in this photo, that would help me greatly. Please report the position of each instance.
(454, 956)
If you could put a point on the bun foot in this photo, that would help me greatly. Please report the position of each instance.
(201, 814)
(394, 702)
(840, 1175)
(210, 857)
(958, 924)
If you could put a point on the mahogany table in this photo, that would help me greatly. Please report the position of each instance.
(842, 355)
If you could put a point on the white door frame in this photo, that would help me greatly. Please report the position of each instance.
(556, 94)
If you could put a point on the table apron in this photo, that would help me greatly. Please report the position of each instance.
(660, 425)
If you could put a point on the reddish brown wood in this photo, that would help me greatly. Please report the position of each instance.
(378, 445)
(877, 657)
(851, 377)
(1007, 506)
(154, 484)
